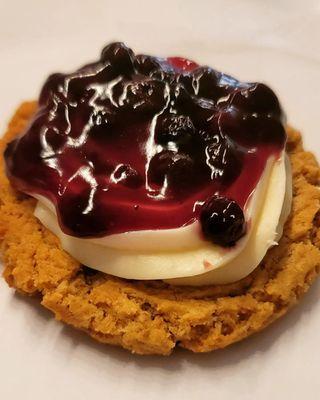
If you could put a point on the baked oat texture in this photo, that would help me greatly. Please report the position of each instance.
(153, 317)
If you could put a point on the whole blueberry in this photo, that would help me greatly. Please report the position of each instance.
(201, 109)
(222, 221)
(146, 95)
(224, 162)
(206, 83)
(177, 168)
(146, 64)
(174, 128)
(187, 80)
(119, 56)
(54, 83)
(257, 98)
(250, 130)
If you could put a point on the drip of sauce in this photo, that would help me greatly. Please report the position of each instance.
(134, 142)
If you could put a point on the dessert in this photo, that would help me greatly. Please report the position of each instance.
(147, 200)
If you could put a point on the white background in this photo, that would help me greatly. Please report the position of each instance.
(277, 41)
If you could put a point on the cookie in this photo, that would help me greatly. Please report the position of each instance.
(151, 317)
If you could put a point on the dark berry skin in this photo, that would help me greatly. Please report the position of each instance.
(249, 130)
(119, 56)
(159, 166)
(164, 75)
(146, 65)
(224, 162)
(174, 128)
(200, 109)
(127, 176)
(222, 221)
(145, 96)
(52, 85)
(187, 80)
(206, 83)
(258, 98)
(177, 168)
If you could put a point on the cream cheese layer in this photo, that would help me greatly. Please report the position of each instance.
(182, 256)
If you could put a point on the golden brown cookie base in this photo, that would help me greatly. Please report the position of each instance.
(152, 317)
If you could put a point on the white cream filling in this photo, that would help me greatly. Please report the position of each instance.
(181, 256)
(265, 234)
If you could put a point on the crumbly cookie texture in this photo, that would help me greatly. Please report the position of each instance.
(153, 317)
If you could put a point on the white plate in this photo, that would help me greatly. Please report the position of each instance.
(274, 41)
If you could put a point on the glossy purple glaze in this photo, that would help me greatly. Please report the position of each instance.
(136, 142)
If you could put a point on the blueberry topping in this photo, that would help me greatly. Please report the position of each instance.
(146, 65)
(220, 154)
(251, 130)
(134, 142)
(165, 75)
(187, 81)
(145, 95)
(201, 109)
(54, 84)
(222, 221)
(258, 98)
(119, 56)
(127, 176)
(159, 166)
(174, 169)
(175, 128)
(206, 82)
(79, 92)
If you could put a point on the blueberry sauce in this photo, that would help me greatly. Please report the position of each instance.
(134, 142)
